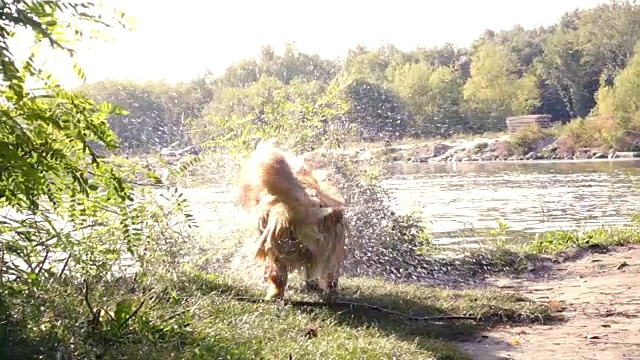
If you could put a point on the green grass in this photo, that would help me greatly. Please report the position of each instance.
(198, 316)
(506, 252)
(558, 242)
(503, 253)
(189, 314)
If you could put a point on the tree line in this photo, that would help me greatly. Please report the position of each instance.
(586, 64)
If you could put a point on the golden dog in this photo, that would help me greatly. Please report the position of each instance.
(300, 221)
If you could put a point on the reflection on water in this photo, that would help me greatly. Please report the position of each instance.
(529, 196)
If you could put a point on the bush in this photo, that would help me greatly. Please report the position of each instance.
(599, 132)
(528, 138)
(72, 224)
(602, 132)
(75, 290)
(480, 147)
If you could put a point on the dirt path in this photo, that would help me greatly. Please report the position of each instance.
(600, 298)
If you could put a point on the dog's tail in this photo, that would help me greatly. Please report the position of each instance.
(268, 170)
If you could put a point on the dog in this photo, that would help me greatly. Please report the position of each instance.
(300, 223)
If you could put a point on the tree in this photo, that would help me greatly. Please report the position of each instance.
(622, 99)
(446, 55)
(494, 91)
(525, 44)
(237, 118)
(433, 96)
(286, 68)
(371, 65)
(587, 46)
(70, 214)
(377, 111)
(49, 174)
(157, 112)
(44, 136)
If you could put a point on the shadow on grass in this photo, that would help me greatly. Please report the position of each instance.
(366, 303)
(489, 307)
(56, 323)
(150, 343)
(195, 315)
(398, 325)
(429, 338)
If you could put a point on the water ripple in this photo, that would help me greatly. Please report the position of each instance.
(530, 197)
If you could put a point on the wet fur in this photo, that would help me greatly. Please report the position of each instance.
(300, 220)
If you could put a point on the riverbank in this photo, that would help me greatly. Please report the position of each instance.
(445, 311)
(474, 284)
(498, 147)
(202, 316)
(597, 297)
(202, 312)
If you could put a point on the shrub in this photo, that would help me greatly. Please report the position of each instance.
(503, 148)
(601, 132)
(526, 139)
(589, 132)
(480, 147)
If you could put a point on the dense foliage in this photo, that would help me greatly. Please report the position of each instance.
(565, 70)
(68, 217)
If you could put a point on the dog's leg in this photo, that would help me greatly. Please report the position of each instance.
(260, 251)
(330, 279)
(330, 286)
(311, 283)
(277, 277)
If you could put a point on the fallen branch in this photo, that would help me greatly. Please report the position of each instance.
(86, 298)
(350, 304)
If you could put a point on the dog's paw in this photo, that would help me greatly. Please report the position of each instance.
(329, 296)
(312, 286)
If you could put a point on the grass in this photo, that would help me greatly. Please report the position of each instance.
(504, 254)
(559, 242)
(215, 323)
(199, 316)
(189, 314)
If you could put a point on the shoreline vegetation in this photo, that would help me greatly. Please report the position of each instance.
(409, 96)
(128, 276)
(540, 145)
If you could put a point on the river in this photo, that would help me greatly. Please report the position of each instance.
(457, 199)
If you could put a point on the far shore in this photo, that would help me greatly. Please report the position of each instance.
(488, 148)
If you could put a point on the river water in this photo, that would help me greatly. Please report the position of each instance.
(457, 199)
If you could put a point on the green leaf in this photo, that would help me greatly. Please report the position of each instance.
(123, 310)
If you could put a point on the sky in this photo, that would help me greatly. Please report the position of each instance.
(178, 40)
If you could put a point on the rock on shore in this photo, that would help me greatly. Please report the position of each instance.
(479, 149)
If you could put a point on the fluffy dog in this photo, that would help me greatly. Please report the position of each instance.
(300, 220)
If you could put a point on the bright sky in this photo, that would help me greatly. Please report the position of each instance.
(177, 40)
